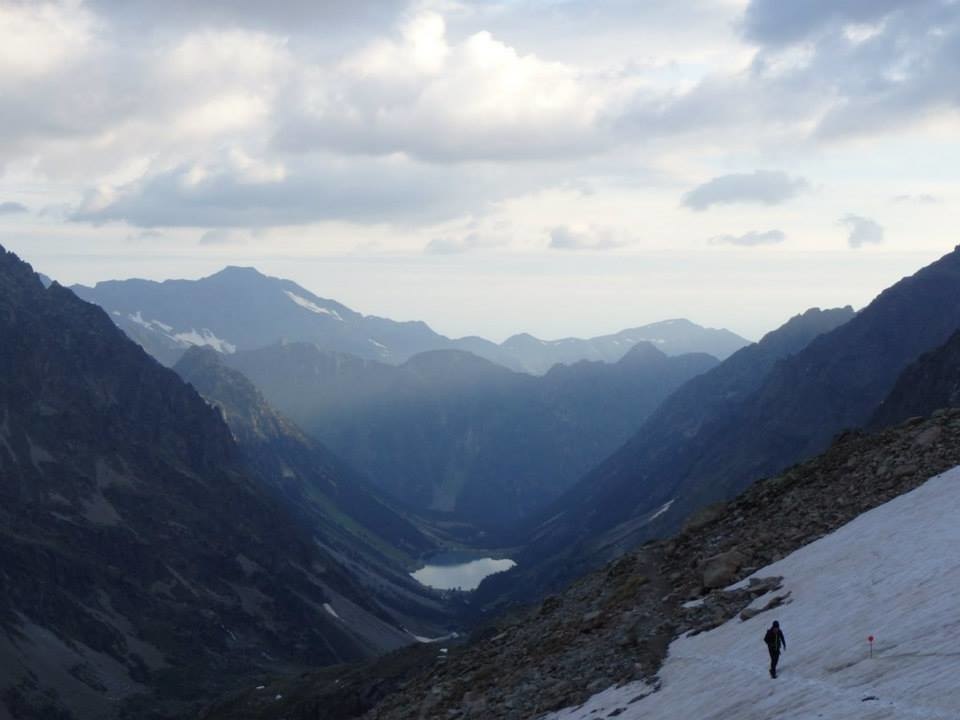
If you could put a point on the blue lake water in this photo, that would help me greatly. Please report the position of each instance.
(463, 575)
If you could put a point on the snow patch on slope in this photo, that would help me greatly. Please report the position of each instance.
(312, 306)
(660, 511)
(205, 337)
(893, 573)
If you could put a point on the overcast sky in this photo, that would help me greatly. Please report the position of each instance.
(564, 167)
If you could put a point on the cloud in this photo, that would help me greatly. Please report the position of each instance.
(227, 193)
(144, 236)
(874, 65)
(12, 208)
(221, 236)
(287, 16)
(863, 231)
(920, 199)
(774, 22)
(407, 111)
(564, 237)
(422, 94)
(471, 241)
(750, 239)
(765, 187)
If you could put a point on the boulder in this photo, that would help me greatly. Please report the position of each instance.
(720, 570)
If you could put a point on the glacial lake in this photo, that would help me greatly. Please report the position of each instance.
(452, 570)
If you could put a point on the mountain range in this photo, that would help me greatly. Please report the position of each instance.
(145, 561)
(241, 309)
(786, 411)
(169, 534)
(459, 436)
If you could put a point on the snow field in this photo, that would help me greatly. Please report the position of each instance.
(893, 572)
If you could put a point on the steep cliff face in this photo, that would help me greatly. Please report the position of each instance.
(142, 566)
(378, 543)
(930, 383)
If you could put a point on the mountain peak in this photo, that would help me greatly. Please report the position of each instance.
(238, 271)
(642, 352)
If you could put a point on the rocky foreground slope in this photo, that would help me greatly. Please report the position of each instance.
(615, 625)
(869, 613)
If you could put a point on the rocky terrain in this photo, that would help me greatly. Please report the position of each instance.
(379, 544)
(932, 381)
(567, 538)
(615, 624)
(651, 485)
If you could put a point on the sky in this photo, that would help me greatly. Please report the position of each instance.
(560, 167)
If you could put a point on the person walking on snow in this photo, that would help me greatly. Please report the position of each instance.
(774, 640)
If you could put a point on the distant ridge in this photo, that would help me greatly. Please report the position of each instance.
(457, 435)
(239, 308)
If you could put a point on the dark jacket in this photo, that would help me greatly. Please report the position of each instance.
(774, 640)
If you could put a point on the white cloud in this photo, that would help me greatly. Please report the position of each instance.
(39, 38)
(471, 241)
(564, 237)
(750, 239)
(862, 231)
(444, 101)
(918, 198)
(233, 190)
(761, 186)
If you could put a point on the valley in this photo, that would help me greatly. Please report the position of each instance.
(444, 496)
(479, 360)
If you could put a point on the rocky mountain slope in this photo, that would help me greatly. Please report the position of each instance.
(867, 611)
(836, 382)
(931, 382)
(457, 435)
(241, 309)
(573, 534)
(615, 625)
(143, 566)
(377, 543)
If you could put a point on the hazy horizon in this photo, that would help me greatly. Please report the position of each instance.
(484, 318)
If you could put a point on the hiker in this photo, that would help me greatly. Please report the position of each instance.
(774, 640)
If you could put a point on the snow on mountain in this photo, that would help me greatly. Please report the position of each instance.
(205, 337)
(190, 338)
(892, 573)
(312, 306)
